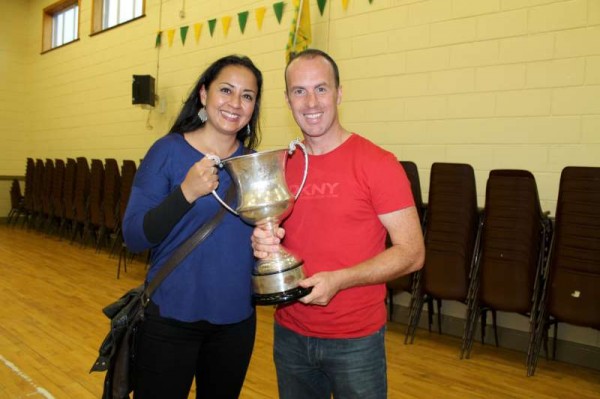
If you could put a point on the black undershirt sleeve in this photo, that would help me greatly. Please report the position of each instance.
(159, 222)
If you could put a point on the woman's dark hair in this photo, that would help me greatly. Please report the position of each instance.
(188, 119)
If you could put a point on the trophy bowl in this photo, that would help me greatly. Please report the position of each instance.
(264, 199)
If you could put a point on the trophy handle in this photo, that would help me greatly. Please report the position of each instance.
(219, 165)
(296, 143)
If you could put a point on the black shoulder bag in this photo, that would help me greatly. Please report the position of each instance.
(117, 350)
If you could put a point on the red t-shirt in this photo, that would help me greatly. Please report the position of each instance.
(334, 224)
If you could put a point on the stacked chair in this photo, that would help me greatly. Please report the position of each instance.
(128, 171)
(68, 197)
(110, 202)
(510, 267)
(17, 203)
(96, 211)
(405, 283)
(451, 235)
(571, 293)
(80, 199)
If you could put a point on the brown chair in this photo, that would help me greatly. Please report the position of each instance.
(68, 197)
(571, 294)
(17, 203)
(405, 283)
(56, 197)
(510, 261)
(28, 196)
(96, 214)
(450, 240)
(128, 170)
(110, 201)
(47, 213)
(38, 194)
(80, 198)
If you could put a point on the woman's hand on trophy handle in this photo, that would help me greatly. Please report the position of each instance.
(201, 179)
(264, 242)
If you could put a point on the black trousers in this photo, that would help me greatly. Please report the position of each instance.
(169, 354)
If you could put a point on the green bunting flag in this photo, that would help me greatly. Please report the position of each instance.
(158, 39)
(211, 26)
(183, 33)
(278, 8)
(321, 4)
(242, 19)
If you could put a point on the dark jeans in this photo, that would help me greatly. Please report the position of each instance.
(170, 354)
(316, 368)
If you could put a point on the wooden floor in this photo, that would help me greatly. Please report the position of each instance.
(52, 293)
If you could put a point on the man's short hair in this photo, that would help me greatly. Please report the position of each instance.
(310, 54)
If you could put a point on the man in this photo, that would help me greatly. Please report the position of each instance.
(332, 340)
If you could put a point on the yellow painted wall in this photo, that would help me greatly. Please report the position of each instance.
(493, 83)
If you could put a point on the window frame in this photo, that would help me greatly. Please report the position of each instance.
(98, 8)
(48, 15)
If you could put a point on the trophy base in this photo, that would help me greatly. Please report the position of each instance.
(281, 297)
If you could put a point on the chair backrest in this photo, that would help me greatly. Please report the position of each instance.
(574, 262)
(15, 195)
(38, 186)
(96, 188)
(69, 189)
(47, 183)
(58, 182)
(410, 168)
(451, 232)
(112, 187)
(128, 170)
(404, 283)
(29, 177)
(512, 242)
(82, 190)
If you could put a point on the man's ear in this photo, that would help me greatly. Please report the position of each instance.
(339, 95)
(287, 99)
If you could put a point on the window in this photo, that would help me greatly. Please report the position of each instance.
(61, 24)
(110, 13)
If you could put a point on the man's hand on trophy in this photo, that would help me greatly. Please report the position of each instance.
(201, 179)
(324, 287)
(264, 241)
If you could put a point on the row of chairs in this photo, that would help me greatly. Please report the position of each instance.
(75, 198)
(509, 256)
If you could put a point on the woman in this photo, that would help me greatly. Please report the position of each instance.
(200, 322)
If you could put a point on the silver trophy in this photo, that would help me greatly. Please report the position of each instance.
(264, 199)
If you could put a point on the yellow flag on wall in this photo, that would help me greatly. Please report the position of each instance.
(226, 21)
(300, 31)
(260, 16)
(197, 31)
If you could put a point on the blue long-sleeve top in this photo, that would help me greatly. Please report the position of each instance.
(213, 283)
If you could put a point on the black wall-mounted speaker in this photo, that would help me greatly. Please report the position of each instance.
(142, 90)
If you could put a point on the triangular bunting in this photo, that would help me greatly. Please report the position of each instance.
(278, 8)
(226, 21)
(183, 33)
(260, 16)
(242, 19)
(345, 4)
(321, 4)
(197, 31)
(211, 26)
(170, 36)
(158, 39)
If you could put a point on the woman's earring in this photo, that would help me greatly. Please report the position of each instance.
(203, 115)
(248, 131)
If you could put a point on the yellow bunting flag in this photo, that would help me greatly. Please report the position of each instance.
(170, 36)
(300, 31)
(260, 16)
(226, 21)
(345, 4)
(197, 31)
